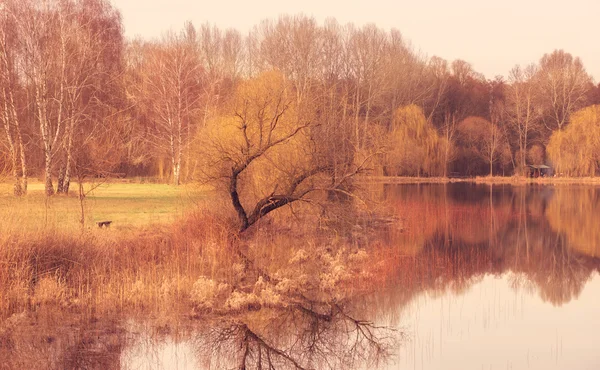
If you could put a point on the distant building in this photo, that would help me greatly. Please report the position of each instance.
(539, 170)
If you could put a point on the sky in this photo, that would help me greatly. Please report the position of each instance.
(492, 35)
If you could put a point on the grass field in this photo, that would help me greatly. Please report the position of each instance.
(127, 205)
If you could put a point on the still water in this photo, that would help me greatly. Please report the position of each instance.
(465, 276)
(506, 279)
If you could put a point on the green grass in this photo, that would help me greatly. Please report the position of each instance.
(128, 205)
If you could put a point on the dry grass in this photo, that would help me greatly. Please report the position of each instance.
(197, 267)
(148, 271)
(158, 245)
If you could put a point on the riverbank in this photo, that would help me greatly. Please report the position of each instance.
(513, 180)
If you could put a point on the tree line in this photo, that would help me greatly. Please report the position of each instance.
(288, 108)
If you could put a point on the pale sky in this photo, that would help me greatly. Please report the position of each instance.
(492, 35)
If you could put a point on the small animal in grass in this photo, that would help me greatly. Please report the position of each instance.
(102, 224)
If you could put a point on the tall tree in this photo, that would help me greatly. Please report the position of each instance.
(563, 84)
(522, 114)
(171, 94)
(69, 50)
(366, 49)
(10, 87)
(43, 31)
(91, 78)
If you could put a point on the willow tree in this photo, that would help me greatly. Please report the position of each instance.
(263, 150)
(415, 146)
(575, 151)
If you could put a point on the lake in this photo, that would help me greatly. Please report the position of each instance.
(501, 279)
(461, 276)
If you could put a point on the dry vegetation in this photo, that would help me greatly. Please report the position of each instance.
(196, 269)
(48, 259)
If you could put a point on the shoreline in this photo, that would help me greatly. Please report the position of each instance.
(512, 180)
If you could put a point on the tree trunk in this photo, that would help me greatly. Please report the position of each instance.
(235, 200)
(356, 115)
(48, 173)
(174, 164)
(60, 181)
(11, 112)
(176, 173)
(46, 137)
(23, 160)
(67, 179)
(367, 113)
(17, 190)
(65, 173)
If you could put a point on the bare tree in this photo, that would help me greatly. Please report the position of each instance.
(366, 48)
(521, 112)
(449, 134)
(171, 93)
(42, 29)
(563, 84)
(9, 84)
(66, 51)
(91, 77)
(491, 144)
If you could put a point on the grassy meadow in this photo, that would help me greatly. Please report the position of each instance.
(127, 205)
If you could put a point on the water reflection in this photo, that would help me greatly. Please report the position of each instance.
(295, 338)
(495, 326)
(455, 234)
(495, 279)
(45, 340)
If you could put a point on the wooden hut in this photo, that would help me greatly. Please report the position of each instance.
(539, 170)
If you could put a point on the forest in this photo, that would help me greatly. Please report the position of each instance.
(292, 99)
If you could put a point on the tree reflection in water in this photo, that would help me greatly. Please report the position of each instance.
(299, 338)
(307, 335)
(458, 233)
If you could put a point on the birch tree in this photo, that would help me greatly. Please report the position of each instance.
(366, 57)
(522, 114)
(172, 95)
(9, 88)
(94, 54)
(43, 31)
